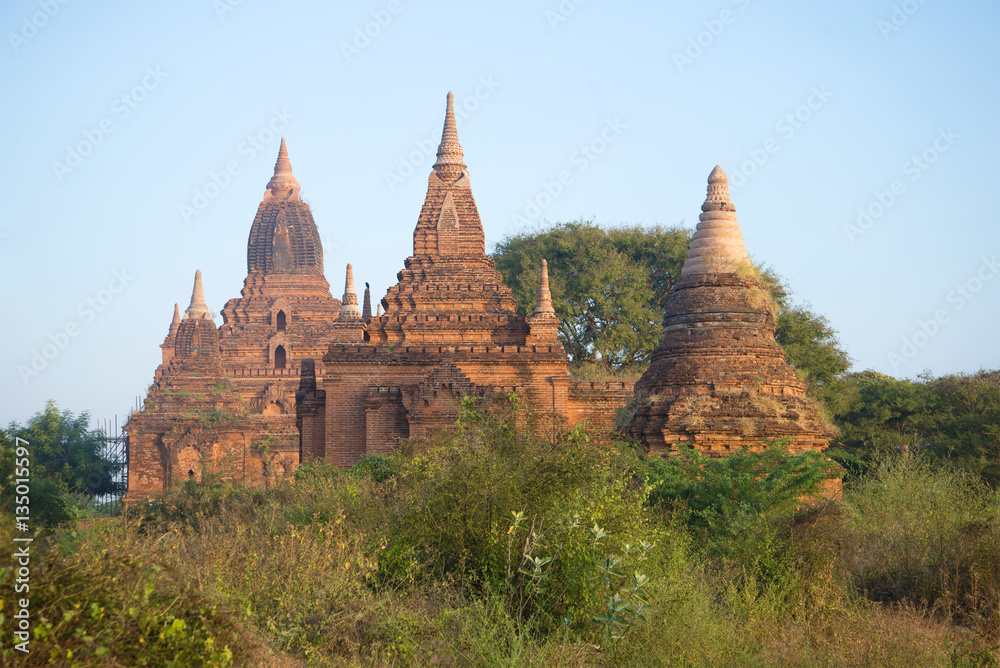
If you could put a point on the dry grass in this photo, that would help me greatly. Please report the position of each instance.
(764, 404)
(693, 409)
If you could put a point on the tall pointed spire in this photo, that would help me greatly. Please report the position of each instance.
(349, 304)
(283, 183)
(197, 309)
(366, 307)
(717, 245)
(176, 321)
(544, 307)
(449, 165)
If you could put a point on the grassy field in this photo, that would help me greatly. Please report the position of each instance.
(498, 545)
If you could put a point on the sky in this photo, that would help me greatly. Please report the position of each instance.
(861, 140)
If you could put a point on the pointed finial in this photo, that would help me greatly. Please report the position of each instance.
(197, 309)
(717, 245)
(283, 183)
(449, 165)
(544, 307)
(366, 306)
(349, 304)
(378, 310)
(718, 192)
(176, 321)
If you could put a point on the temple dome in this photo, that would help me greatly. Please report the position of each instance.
(284, 238)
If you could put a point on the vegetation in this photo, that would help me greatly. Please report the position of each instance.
(66, 465)
(513, 541)
(509, 542)
(609, 286)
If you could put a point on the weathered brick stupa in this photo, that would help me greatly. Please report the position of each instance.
(449, 329)
(221, 401)
(719, 381)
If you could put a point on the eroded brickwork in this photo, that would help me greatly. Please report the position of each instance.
(235, 417)
(449, 329)
(719, 381)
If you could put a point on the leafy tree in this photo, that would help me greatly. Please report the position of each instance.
(963, 424)
(954, 419)
(810, 344)
(65, 451)
(610, 289)
(881, 415)
(609, 286)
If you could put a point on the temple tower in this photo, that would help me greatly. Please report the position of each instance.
(224, 397)
(449, 328)
(719, 381)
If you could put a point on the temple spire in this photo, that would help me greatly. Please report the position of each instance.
(366, 307)
(176, 321)
(349, 304)
(283, 184)
(717, 245)
(544, 307)
(197, 309)
(449, 165)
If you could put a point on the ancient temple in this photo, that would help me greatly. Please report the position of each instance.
(222, 400)
(449, 329)
(719, 381)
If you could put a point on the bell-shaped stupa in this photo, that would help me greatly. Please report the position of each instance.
(719, 381)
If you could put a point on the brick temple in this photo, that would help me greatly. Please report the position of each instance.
(295, 375)
(449, 329)
(719, 381)
(223, 399)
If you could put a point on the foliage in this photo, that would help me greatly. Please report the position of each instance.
(64, 448)
(377, 467)
(610, 289)
(67, 469)
(726, 497)
(923, 534)
(609, 286)
(954, 419)
(963, 426)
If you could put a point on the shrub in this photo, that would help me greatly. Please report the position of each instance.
(925, 534)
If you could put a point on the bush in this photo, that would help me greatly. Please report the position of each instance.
(922, 534)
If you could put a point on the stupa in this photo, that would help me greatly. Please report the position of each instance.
(719, 381)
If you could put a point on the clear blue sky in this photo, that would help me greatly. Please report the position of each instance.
(816, 108)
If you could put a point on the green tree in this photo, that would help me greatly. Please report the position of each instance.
(64, 450)
(810, 344)
(609, 286)
(881, 416)
(963, 423)
(610, 289)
